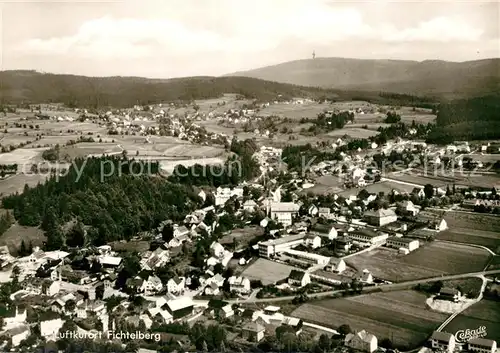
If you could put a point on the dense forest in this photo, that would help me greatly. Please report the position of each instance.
(113, 199)
(471, 119)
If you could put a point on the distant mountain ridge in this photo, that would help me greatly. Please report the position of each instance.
(24, 86)
(426, 78)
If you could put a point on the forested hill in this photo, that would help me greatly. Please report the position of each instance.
(112, 208)
(471, 119)
(429, 78)
(31, 86)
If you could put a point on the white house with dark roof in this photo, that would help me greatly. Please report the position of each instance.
(283, 212)
(151, 285)
(239, 284)
(313, 241)
(443, 341)
(176, 285)
(403, 243)
(482, 345)
(407, 208)
(299, 278)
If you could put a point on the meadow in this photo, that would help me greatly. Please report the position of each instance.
(485, 313)
(430, 260)
(401, 316)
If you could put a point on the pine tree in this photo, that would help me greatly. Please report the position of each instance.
(23, 250)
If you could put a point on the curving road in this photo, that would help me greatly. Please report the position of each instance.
(383, 287)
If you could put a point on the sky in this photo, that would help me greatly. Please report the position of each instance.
(176, 38)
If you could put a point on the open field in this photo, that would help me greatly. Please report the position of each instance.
(384, 186)
(15, 183)
(401, 316)
(267, 271)
(485, 313)
(354, 132)
(479, 229)
(432, 259)
(295, 111)
(16, 234)
(495, 263)
(20, 156)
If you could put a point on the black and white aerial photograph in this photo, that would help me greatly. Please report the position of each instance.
(285, 176)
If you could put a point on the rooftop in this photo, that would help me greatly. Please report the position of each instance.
(441, 336)
(284, 207)
(180, 303)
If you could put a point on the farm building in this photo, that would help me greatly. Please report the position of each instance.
(180, 307)
(482, 345)
(362, 341)
(299, 278)
(380, 217)
(276, 246)
(367, 237)
(365, 276)
(450, 294)
(443, 341)
(283, 212)
(403, 243)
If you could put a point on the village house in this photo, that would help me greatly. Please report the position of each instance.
(299, 278)
(283, 212)
(239, 285)
(365, 276)
(324, 212)
(327, 231)
(16, 335)
(176, 285)
(249, 205)
(434, 220)
(180, 231)
(380, 217)
(155, 259)
(313, 241)
(407, 208)
(160, 315)
(15, 318)
(50, 287)
(482, 345)
(151, 285)
(294, 323)
(336, 265)
(253, 332)
(217, 250)
(312, 210)
(443, 341)
(108, 261)
(50, 328)
(361, 341)
(180, 307)
(406, 244)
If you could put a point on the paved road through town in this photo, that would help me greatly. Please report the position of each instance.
(382, 287)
